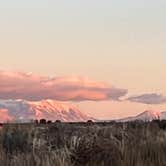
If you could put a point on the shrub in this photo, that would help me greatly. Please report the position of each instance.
(43, 121)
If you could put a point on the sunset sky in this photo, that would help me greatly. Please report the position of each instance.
(106, 56)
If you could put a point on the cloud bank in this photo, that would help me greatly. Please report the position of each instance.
(19, 85)
(151, 98)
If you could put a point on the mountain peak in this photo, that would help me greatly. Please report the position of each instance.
(48, 109)
(147, 115)
(152, 113)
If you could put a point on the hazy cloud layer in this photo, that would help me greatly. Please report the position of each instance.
(152, 98)
(19, 85)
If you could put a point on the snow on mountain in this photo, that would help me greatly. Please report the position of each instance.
(163, 115)
(146, 116)
(21, 110)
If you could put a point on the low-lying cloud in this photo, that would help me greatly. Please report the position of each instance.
(151, 98)
(19, 85)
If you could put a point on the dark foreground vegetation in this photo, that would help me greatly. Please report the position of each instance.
(83, 144)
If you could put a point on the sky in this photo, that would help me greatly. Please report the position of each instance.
(116, 42)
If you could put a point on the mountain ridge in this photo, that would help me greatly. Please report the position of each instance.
(147, 115)
(23, 110)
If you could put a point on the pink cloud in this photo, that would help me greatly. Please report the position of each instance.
(19, 85)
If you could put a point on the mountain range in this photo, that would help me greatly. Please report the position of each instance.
(148, 115)
(24, 111)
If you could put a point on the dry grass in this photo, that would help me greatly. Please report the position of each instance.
(104, 144)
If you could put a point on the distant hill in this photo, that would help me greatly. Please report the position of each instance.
(146, 116)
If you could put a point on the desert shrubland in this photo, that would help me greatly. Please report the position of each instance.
(83, 144)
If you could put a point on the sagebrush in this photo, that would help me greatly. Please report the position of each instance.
(83, 144)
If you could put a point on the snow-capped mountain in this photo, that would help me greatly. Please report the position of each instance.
(146, 116)
(21, 110)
